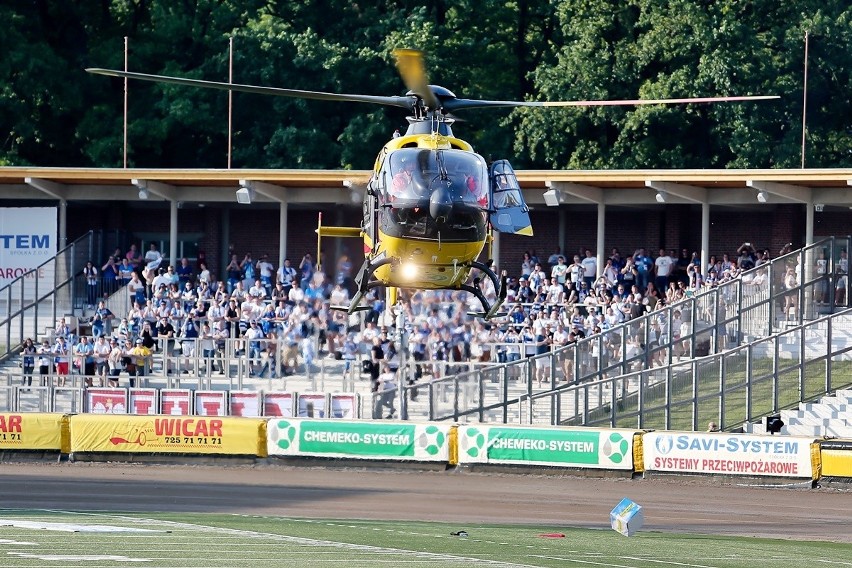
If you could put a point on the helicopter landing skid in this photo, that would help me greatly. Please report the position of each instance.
(489, 310)
(364, 285)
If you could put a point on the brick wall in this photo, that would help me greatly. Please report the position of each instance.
(255, 228)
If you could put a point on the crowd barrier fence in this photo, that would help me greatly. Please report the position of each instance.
(630, 452)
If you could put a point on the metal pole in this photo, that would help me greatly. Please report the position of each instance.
(125, 102)
(805, 102)
(230, 95)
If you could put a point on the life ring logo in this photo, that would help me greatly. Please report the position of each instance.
(132, 434)
(431, 440)
(615, 448)
(283, 434)
(472, 442)
(664, 443)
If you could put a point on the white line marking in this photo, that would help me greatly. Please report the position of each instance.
(300, 540)
(667, 562)
(77, 557)
(582, 561)
(68, 527)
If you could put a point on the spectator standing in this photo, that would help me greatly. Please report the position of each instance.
(101, 351)
(136, 289)
(115, 362)
(287, 276)
(28, 353)
(306, 271)
(643, 268)
(110, 275)
(387, 388)
(590, 269)
(62, 359)
(133, 257)
(527, 265)
(663, 269)
(234, 273)
(559, 271)
(184, 273)
(153, 259)
(265, 272)
(45, 360)
(125, 272)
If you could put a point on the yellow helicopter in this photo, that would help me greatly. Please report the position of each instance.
(431, 202)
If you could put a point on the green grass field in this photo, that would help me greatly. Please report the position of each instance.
(61, 539)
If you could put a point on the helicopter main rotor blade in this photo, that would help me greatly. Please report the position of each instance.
(459, 104)
(409, 62)
(403, 102)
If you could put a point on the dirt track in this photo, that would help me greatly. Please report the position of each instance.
(669, 504)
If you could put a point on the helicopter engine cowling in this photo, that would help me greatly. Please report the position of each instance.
(440, 204)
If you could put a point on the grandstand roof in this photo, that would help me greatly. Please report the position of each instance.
(616, 187)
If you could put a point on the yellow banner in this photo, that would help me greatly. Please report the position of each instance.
(168, 434)
(33, 431)
(836, 463)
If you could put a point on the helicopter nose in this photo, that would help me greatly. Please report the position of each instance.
(440, 204)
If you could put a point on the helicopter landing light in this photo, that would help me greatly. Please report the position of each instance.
(409, 271)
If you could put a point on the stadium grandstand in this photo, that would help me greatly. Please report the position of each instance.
(162, 279)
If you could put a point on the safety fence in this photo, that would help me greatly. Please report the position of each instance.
(32, 302)
(629, 451)
(183, 402)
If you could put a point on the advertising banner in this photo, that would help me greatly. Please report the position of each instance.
(244, 403)
(312, 405)
(101, 400)
(167, 434)
(729, 454)
(27, 239)
(210, 403)
(344, 406)
(278, 404)
(558, 447)
(33, 431)
(175, 402)
(361, 440)
(143, 401)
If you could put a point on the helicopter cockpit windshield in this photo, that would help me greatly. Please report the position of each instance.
(413, 173)
(431, 191)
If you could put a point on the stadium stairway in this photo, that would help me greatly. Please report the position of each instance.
(830, 417)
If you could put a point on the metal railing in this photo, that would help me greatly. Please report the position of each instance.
(32, 303)
(752, 306)
(738, 386)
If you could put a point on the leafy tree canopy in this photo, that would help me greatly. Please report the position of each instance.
(54, 114)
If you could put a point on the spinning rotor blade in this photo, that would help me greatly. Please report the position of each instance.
(403, 102)
(409, 62)
(459, 104)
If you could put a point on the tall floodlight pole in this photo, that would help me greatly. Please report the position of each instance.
(125, 102)
(230, 96)
(805, 102)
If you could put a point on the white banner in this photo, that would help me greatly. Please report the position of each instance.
(27, 239)
(728, 454)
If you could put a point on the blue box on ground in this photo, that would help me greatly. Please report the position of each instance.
(627, 517)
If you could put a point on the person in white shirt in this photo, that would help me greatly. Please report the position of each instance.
(153, 259)
(663, 267)
(265, 270)
(559, 270)
(590, 268)
(286, 275)
(101, 353)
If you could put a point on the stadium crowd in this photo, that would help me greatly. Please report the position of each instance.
(282, 319)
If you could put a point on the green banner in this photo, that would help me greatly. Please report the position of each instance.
(545, 446)
(507, 444)
(356, 438)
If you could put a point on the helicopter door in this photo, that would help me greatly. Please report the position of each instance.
(510, 214)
